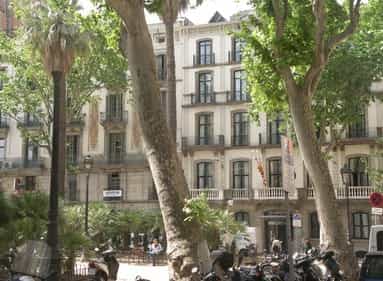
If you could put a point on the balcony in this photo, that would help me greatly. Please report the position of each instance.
(201, 60)
(19, 163)
(368, 132)
(161, 74)
(234, 57)
(112, 195)
(241, 140)
(269, 139)
(30, 123)
(215, 98)
(200, 143)
(211, 194)
(114, 118)
(355, 192)
(273, 193)
(237, 97)
(76, 121)
(239, 194)
(126, 159)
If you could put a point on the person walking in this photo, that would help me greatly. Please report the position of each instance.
(155, 249)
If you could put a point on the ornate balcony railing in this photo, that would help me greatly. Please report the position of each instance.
(354, 192)
(239, 194)
(119, 116)
(211, 194)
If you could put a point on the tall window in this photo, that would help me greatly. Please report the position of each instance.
(358, 128)
(31, 119)
(114, 107)
(359, 175)
(242, 217)
(3, 120)
(204, 175)
(72, 149)
(31, 151)
(30, 183)
(237, 49)
(204, 129)
(360, 225)
(114, 181)
(240, 128)
(2, 149)
(161, 67)
(239, 86)
(274, 130)
(205, 88)
(72, 186)
(314, 226)
(275, 172)
(205, 52)
(116, 147)
(241, 174)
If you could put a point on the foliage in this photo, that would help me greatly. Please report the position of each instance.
(343, 90)
(214, 222)
(29, 88)
(376, 174)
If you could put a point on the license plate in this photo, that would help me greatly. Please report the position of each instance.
(92, 271)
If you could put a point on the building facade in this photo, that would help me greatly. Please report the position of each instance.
(234, 160)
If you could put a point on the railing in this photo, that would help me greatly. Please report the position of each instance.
(238, 96)
(4, 124)
(240, 140)
(30, 123)
(271, 193)
(310, 193)
(220, 97)
(211, 194)
(123, 158)
(119, 116)
(354, 192)
(77, 120)
(19, 163)
(367, 132)
(239, 194)
(161, 74)
(204, 59)
(234, 57)
(203, 141)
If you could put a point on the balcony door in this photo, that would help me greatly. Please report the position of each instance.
(205, 52)
(116, 147)
(205, 175)
(239, 86)
(359, 175)
(205, 87)
(72, 149)
(205, 128)
(275, 172)
(241, 175)
(274, 133)
(31, 151)
(358, 128)
(114, 107)
(240, 128)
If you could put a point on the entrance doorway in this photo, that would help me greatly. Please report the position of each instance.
(275, 228)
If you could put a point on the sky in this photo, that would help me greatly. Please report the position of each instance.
(201, 14)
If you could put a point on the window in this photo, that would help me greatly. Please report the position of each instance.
(238, 45)
(205, 52)
(72, 149)
(274, 131)
(72, 186)
(275, 173)
(358, 128)
(309, 182)
(2, 149)
(114, 107)
(359, 175)
(116, 147)
(242, 217)
(314, 226)
(204, 134)
(240, 128)
(3, 121)
(161, 67)
(30, 183)
(379, 241)
(114, 181)
(31, 151)
(239, 86)
(205, 88)
(241, 174)
(31, 119)
(204, 175)
(360, 225)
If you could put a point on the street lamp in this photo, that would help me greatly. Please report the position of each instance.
(346, 173)
(88, 162)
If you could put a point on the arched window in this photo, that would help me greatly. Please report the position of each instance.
(360, 225)
(242, 217)
(314, 226)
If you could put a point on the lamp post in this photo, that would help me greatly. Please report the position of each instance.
(88, 162)
(346, 173)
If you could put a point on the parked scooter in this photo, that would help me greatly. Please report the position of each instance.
(104, 268)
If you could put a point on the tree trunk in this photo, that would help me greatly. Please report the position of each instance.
(330, 215)
(171, 105)
(57, 168)
(182, 237)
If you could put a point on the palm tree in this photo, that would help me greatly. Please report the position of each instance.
(168, 11)
(55, 34)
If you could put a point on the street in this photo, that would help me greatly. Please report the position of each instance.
(128, 272)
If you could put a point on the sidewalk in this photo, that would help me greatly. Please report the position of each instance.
(128, 272)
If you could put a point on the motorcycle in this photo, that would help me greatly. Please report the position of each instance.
(317, 267)
(105, 267)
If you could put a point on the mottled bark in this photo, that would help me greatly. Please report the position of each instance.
(160, 148)
(171, 79)
(330, 215)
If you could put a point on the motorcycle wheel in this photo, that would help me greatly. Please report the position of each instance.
(101, 276)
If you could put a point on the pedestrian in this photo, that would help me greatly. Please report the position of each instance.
(155, 249)
(307, 246)
(276, 247)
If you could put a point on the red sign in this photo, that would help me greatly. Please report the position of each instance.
(376, 200)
